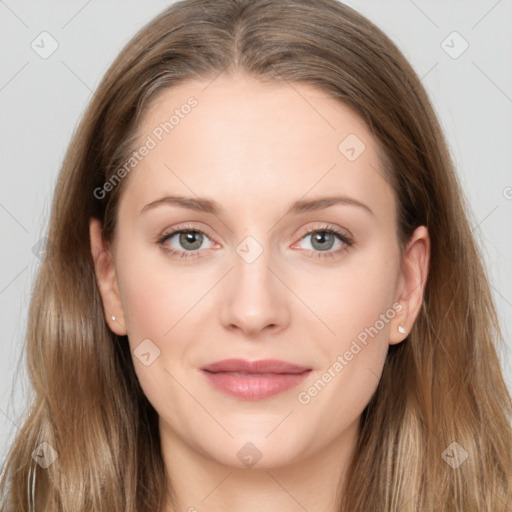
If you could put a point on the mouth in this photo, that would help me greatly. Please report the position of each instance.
(254, 380)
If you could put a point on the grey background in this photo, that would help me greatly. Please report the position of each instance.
(41, 101)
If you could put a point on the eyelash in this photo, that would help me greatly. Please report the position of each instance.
(342, 237)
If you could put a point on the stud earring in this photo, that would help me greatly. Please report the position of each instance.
(401, 328)
(113, 318)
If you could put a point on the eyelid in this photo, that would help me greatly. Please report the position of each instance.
(346, 239)
(184, 227)
(344, 234)
(179, 254)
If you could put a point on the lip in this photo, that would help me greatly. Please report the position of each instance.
(254, 380)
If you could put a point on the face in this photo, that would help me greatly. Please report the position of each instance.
(258, 226)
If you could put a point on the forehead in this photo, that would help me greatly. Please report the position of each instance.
(247, 140)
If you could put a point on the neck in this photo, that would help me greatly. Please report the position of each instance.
(200, 483)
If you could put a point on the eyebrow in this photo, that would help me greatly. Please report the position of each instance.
(209, 206)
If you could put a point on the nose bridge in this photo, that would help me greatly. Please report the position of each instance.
(256, 299)
(251, 265)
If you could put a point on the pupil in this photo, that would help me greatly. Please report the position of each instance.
(191, 237)
(321, 238)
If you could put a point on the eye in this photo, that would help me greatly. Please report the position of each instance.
(184, 242)
(323, 239)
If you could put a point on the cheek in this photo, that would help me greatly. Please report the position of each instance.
(162, 302)
(354, 296)
(357, 304)
(158, 293)
(156, 297)
(155, 293)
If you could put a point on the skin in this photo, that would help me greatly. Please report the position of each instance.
(255, 149)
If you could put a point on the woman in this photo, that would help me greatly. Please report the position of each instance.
(255, 369)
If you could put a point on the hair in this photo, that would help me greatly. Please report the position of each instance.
(442, 385)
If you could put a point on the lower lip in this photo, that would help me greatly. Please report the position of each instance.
(255, 386)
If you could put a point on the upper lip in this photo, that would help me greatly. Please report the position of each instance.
(261, 366)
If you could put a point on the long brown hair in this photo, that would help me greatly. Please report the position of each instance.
(441, 395)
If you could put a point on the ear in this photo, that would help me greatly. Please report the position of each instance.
(106, 279)
(411, 284)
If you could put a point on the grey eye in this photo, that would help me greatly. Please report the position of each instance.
(322, 240)
(190, 240)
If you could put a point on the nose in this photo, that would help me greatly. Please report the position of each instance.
(255, 300)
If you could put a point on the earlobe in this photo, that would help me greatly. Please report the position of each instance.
(106, 278)
(413, 278)
(400, 326)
